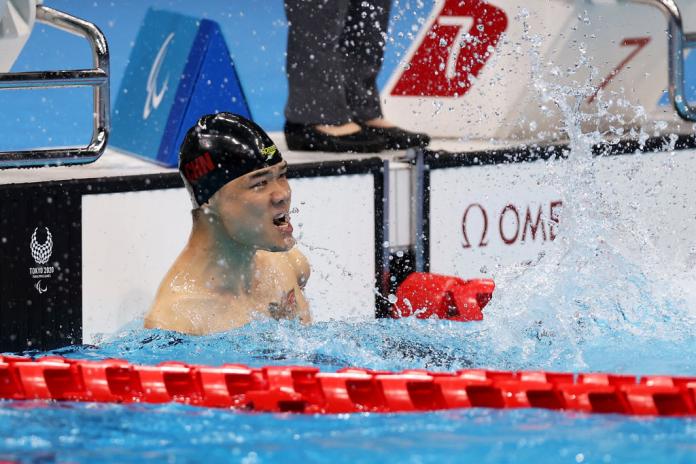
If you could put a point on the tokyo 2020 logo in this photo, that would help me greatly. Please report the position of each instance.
(41, 252)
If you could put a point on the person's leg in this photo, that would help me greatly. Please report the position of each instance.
(363, 41)
(316, 93)
(317, 114)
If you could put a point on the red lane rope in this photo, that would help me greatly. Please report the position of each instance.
(307, 390)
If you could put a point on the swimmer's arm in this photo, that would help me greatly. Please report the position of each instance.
(163, 317)
(302, 312)
(155, 317)
(159, 315)
(300, 265)
(158, 320)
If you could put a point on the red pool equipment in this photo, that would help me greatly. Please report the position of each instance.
(426, 295)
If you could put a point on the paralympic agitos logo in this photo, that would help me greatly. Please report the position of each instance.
(154, 95)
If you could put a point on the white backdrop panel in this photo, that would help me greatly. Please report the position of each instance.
(648, 200)
(498, 198)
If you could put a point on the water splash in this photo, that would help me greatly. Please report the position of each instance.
(585, 292)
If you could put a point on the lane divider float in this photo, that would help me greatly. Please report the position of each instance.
(302, 389)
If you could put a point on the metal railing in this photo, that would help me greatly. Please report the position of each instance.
(97, 78)
(678, 42)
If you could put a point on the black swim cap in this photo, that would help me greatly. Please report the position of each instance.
(222, 147)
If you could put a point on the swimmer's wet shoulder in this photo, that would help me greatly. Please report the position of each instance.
(240, 260)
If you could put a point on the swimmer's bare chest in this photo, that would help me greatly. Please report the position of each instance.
(229, 312)
(187, 304)
(275, 293)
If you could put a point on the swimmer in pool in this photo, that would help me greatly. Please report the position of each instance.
(240, 260)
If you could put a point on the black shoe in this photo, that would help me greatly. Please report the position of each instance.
(399, 139)
(307, 138)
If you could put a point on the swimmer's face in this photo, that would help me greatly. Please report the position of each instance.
(255, 209)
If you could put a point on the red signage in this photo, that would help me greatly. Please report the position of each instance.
(514, 224)
(460, 41)
(638, 43)
(198, 167)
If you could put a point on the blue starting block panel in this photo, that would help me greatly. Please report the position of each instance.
(179, 70)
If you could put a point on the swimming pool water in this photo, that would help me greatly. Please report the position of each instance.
(79, 432)
(175, 433)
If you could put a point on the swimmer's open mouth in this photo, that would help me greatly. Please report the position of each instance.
(281, 219)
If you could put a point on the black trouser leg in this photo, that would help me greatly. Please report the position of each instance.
(363, 42)
(316, 78)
